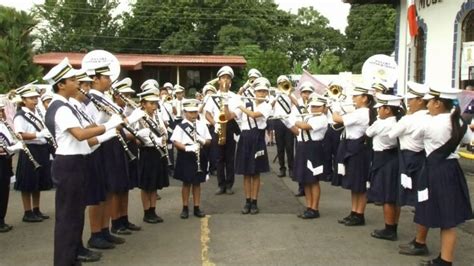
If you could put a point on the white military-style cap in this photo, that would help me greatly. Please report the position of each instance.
(63, 70)
(416, 90)
(124, 86)
(149, 96)
(168, 85)
(225, 70)
(254, 73)
(28, 90)
(379, 87)
(208, 87)
(387, 100)
(103, 69)
(361, 89)
(47, 96)
(318, 100)
(261, 84)
(191, 105)
(443, 93)
(152, 82)
(282, 78)
(307, 86)
(82, 76)
(178, 88)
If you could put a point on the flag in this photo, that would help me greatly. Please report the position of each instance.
(466, 99)
(319, 87)
(412, 21)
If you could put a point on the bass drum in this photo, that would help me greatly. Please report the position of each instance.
(100, 57)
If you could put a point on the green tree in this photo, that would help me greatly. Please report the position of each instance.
(74, 25)
(16, 49)
(370, 30)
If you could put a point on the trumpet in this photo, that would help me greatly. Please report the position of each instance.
(36, 165)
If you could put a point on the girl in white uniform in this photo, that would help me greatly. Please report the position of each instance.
(252, 157)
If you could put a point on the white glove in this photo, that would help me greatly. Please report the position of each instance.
(201, 140)
(43, 134)
(135, 116)
(15, 147)
(191, 148)
(107, 135)
(144, 132)
(114, 121)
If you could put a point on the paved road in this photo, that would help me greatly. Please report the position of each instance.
(225, 237)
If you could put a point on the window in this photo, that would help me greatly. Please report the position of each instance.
(467, 36)
(193, 78)
(420, 46)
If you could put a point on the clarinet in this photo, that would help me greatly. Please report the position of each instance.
(51, 140)
(198, 151)
(130, 155)
(110, 111)
(153, 140)
(36, 165)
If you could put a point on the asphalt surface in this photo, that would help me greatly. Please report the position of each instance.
(226, 237)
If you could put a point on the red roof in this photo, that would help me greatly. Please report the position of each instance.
(137, 61)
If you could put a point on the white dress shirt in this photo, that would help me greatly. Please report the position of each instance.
(406, 128)
(356, 123)
(379, 131)
(182, 137)
(21, 125)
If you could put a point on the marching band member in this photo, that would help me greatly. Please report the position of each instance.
(31, 181)
(353, 156)
(189, 137)
(383, 176)
(209, 90)
(247, 90)
(443, 194)
(309, 161)
(123, 225)
(152, 166)
(46, 99)
(68, 168)
(7, 148)
(178, 103)
(215, 107)
(115, 160)
(411, 160)
(284, 138)
(252, 156)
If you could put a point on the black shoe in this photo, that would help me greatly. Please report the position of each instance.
(299, 194)
(41, 215)
(5, 228)
(254, 209)
(282, 173)
(158, 218)
(32, 218)
(407, 245)
(246, 209)
(149, 219)
(220, 191)
(355, 221)
(87, 255)
(133, 227)
(99, 243)
(199, 213)
(114, 239)
(229, 191)
(121, 231)
(430, 263)
(345, 219)
(384, 234)
(184, 214)
(411, 249)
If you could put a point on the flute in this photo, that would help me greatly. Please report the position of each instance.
(198, 151)
(36, 165)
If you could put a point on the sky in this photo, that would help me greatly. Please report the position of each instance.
(334, 10)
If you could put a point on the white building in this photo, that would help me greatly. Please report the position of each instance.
(442, 54)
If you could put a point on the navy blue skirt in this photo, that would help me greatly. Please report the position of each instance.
(309, 154)
(252, 156)
(330, 144)
(410, 163)
(152, 170)
(94, 180)
(115, 163)
(448, 204)
(27, 178)
(383, 177)
(352, 165)
(133, 166)
(187, 168)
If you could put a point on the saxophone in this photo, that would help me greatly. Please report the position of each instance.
(222, 126)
